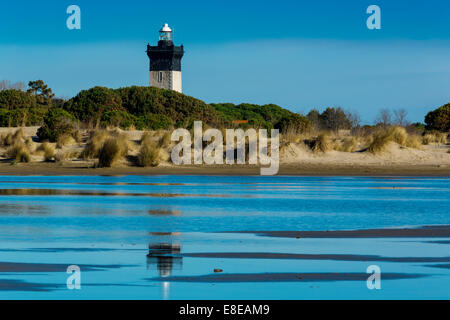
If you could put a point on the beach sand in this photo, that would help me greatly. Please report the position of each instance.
(295, 159)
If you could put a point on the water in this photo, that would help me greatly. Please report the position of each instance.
(162, 237)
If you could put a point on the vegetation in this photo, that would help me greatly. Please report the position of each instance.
(57, 123)
(111, 151)
(149, 152)
(19, 152)
(47, 150)
(439, 119)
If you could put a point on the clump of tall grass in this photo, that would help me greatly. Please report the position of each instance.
(381, 139)
(95, 143)
(13, 138)
(165, 140)
(379, 142)
(112, 150)
(414, 141)
(19, 152)
(322, 143)
(64, 140)
(349, 144)
(435, 137)
(398, 135)
(149, 154)
(47, 150)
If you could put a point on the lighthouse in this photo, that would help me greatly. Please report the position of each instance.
(165, 61)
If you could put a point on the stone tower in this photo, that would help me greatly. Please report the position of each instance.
(165, 62)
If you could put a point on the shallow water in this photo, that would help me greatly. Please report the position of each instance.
(161, 237)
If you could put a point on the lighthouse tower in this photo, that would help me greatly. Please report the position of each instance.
(165, 61)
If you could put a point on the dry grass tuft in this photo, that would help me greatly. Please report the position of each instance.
(95, 143)
(398, 135)
(12, 138)
(379, 142)
(349, 144)
(165, 140)
(19, 152)
(322, 143)
(149, 154)
(414, 141)
(112, 150)
(65, 140)
(48, 151)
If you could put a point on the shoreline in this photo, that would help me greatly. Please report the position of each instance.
(307, 169)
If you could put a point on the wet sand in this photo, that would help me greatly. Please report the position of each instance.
(7, 267)
(335, 257)
(423, 232)
(283, 277)
(300, 169)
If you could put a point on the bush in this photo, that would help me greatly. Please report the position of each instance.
(118, 118)
(153, 122)
(90, 105)
(111, 151)
(439, 119)
(16, 99)
(57, 122)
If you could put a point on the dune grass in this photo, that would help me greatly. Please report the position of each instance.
(48, 150)
(19, 152)
(94, 144)
(349, 144)
(111, 151)
(322, 143)
(149, 152)
(65, 140)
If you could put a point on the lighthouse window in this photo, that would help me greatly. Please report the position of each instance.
(160, 77)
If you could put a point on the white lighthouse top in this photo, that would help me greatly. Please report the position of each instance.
(165, 28)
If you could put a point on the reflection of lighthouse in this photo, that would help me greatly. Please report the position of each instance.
(166, 257)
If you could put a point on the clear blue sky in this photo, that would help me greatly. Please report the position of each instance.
(298, 54)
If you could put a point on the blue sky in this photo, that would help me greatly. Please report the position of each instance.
(298, 54)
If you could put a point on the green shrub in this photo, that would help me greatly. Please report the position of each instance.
(118, 118)
(57, 122)
(153, 122)
(439, 119)
(90, 105)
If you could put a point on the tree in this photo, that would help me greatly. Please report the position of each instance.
(314, 117)
(354, 118)
(334, 119)
(439, 119)
(15, 99)
(400, 116)
(43, 93)
(384, 117)
(7, 85)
